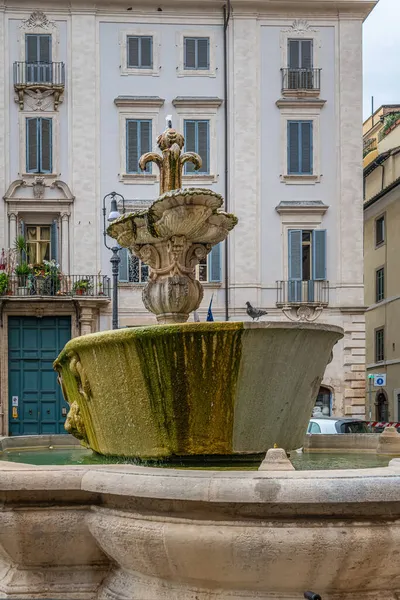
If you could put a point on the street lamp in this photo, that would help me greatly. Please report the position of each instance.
(115, 258)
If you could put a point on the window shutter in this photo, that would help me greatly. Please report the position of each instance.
(145, 141)
(146, 53)
(295, 266)
(133, 51)
(54, 241)
(293, 147)
(32, 144)
(22, 232)
(31, 48)
(132, 154)
(214, 264)
(123, 274)
(45, 48)
(319, 254)
(294, 54)
(306, 148)
(306, 54)
(202, 145)
(203, 52)
(190, 142)
(45, 146)
(190, 53)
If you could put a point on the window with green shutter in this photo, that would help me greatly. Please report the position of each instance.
(197, 139)
(38, 58)
(307, 263)
(138, 142)
(140, 52)
(300, 54)
(39, 145)
(196, 53)
(300, 147)
(380, 284)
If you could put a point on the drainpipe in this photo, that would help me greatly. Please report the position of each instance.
(227, 14)
(383, 175)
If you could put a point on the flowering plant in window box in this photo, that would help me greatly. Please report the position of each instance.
(4, 281)
(82, 287)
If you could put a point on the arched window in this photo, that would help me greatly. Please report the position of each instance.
(323, 402)
(381, 407)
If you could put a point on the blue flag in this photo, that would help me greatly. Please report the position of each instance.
(209, 314)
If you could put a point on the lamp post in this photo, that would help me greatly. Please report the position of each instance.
(115, 258)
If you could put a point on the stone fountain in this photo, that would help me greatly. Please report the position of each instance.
(181, 390)
(125, 532)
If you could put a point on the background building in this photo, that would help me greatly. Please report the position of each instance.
(382, 248)
(269, 95)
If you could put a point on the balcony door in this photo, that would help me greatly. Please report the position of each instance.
(307, 264)
(38, 58)
(300, 59)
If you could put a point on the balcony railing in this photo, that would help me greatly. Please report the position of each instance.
(58, 285)
(303, 292)
(301, 79)
(28, 74)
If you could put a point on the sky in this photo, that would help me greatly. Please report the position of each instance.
(381, 55)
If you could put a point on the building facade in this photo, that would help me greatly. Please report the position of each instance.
(382, 247)
(269, 95)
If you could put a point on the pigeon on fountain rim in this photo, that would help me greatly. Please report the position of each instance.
(254, 313)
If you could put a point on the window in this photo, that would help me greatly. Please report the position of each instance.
(379, 231)
(38, 242)
(307, 263)
(380, 285)
(139, 52)
(39, 145)
(197, 53)
(313, 427)
(138, 142)
(132, 270)
(197, 134)
(38, 58)
(379, 345)
(300, 152)
(300, 54)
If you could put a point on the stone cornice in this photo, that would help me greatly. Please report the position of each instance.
(197, 101)
(300, 103)
(139, 101)
(308, 207)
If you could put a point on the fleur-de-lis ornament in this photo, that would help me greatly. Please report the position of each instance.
(172, 160)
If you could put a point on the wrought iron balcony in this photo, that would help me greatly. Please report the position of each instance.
(59, 285)
(296, 292)
(301, 80)
(40, 77)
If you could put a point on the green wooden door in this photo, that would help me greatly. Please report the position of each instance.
(36, 405)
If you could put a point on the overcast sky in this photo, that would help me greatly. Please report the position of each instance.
(381, 55)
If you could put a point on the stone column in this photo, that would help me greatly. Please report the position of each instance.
(13, 229)
(86, 319)
(65, 243)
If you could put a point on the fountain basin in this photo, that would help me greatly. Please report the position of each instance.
(195, 389)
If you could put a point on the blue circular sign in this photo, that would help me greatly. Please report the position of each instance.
(379, 381)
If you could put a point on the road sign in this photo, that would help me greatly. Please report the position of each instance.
(380, 380)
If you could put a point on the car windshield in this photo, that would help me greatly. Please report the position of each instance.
(353, 427)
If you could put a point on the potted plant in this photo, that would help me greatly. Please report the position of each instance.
(4, 281)
(82, 287)
(22, 271)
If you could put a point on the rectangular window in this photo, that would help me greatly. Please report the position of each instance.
(209, 268)
(131, 268)
(140, 52)
(138, 142)
(38, 242)
(307, 264)
(39, 145)
(197, 53)
(300, 54)
(300, 147)
(379, 231)
(197, 139)
(379, 345)
(380, 285)
(38, 58)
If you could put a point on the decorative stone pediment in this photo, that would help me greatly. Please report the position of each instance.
(38, 21)
(300, 27)
(38, 194)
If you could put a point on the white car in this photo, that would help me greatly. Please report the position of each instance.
(337, 425)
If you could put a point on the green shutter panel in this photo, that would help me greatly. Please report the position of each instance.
(190, 142)
(214, 264)
(54, 241)
(145, 141)
(306, 148)
(295, 266)
(203, 53)
(32, 145)
(190, 53)
(306, 54)
(123, 274)
(133, 51)
(132, 154)
(31, 48)
(319, 254)
(203, 145)
(294, 54)
(45, 48)
(146, 53)
(293, 147)
(45, 136)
